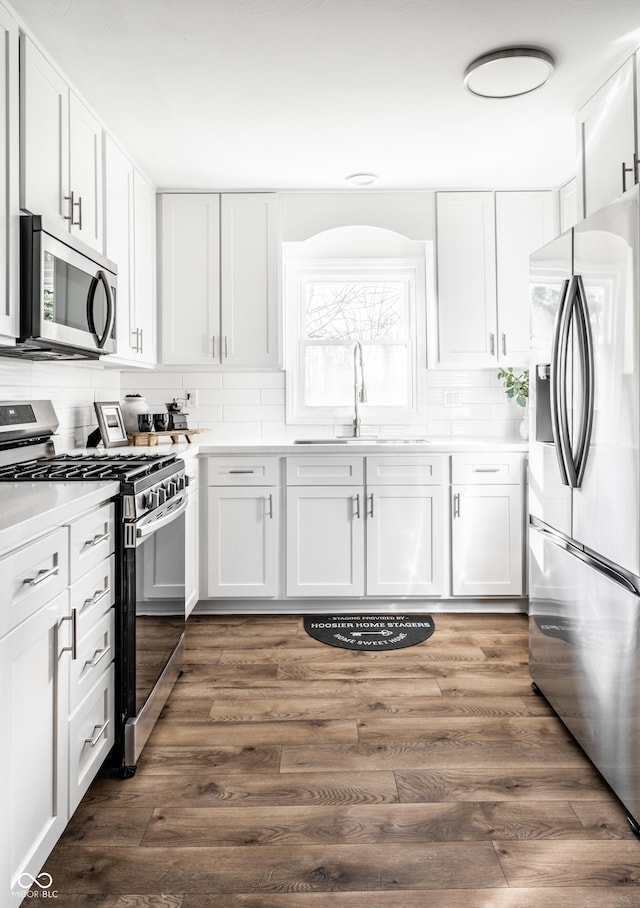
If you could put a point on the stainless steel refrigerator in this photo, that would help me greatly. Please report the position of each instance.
(584, 488)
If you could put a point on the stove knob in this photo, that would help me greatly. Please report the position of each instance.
(180, 483)
(152, 500)
(162, 494)
(172, 488)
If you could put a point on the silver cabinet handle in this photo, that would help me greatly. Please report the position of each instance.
(370, 512)
(141, 340)
(625, 171)
(213, 345)
(79, 204)
(74, 204)
(356, 498)
(492, 344)
(456, 504)
(486, 469)
(136, 344)
(42, 576)
(98, 539)
(98, 656)
(98, 731)
(97, 596)
(73, 649)
(270, 511)
(235, 472)
(226, 348)
(504, 344)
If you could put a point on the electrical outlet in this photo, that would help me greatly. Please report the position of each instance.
(191, 398)
(453, 398)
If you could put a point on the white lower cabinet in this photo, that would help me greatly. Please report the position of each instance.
(192, 538)
(91, 735)
(382, 539)
(487, 525)
(34, 680)
(243, 543)
(325, 541)
(405, 541)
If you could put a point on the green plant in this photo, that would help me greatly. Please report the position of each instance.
(516, 386)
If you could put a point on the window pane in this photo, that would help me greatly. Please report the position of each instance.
(357, 310)
(329, 375)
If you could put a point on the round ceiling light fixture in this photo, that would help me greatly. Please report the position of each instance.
(362, 179)
(509, 72)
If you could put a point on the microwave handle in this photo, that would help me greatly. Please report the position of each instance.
(100, 277)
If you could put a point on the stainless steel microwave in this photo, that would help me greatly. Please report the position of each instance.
(67, 297)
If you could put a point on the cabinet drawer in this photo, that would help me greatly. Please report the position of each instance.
(91, 737)
(32, 576)
(92, 539)
(325, 470)
(488, 469)
(242, 471)
(94, 654)
(93, 595)
(408, 469)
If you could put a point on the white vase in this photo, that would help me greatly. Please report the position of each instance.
(131, 408)
(523, 427)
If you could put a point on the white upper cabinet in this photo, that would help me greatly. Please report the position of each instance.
(466, 252)
(524, 222)
(130, 229)
(249, 279)
(484, 240)
(9, 152)
(190, 278)
(61, 151)
(219, 279)
(607, 141)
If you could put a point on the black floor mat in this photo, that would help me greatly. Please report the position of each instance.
(369, 632)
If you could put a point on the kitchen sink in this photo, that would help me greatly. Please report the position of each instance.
(362, 439)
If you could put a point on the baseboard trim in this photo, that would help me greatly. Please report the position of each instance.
(518, 606)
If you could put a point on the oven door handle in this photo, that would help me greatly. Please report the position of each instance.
(179, 508)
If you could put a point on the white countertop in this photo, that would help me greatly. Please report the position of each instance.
(28, 509)
(433, 446)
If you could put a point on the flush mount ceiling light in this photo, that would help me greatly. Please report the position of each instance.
(362, 179)
(509, 72)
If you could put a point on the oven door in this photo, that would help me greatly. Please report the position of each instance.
(154, 620)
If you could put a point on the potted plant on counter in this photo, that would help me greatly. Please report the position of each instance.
(517, 389)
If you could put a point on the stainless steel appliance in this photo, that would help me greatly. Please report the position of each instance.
(150, 600)
(584, 488)
(67, 297)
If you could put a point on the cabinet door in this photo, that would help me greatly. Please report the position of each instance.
(487, 540)
(325, 541)
(525, 221)
(34, 679)
(9, 152)
(568, 205)
(405, 541)
(144, 269)
(44, 128)
(190, 278)
(191, 558)
(466, 252)
(606, 141)
(243, 531)
(249, 279)
(85, 173)
(118, 206)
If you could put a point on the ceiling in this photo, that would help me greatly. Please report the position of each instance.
(289, 94)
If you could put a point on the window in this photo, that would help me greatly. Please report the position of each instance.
(334, 304)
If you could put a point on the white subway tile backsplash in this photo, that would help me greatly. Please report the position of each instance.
(244, 397)
(272, 396)
(250, 414)
(253, 380)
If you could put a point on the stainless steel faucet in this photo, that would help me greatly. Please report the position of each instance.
(359, 390)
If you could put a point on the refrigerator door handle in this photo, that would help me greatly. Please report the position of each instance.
(558, 389)
(587, 362)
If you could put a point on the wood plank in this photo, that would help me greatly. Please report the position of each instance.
(201, 673)
(560, 864)
(534, 731)
(265, 689)
(213, 734)
(401, 755)
(207, 788)
(362, 825)
(424, 652)
(575, 782)
(604, 819)
(119, 826)
(182, 761)
(373, 665)
(251, 710)
(330, 868)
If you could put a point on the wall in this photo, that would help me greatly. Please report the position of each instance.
(73, 388)
(237, 406)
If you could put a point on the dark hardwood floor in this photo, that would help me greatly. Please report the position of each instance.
(284, 773)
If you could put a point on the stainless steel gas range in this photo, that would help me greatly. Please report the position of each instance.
(150, 599)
